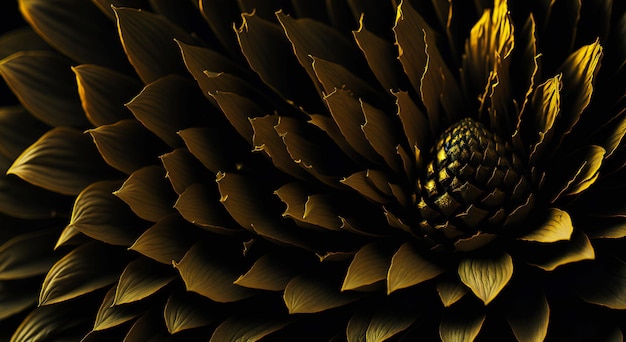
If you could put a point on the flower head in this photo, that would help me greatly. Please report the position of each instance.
(436, 170)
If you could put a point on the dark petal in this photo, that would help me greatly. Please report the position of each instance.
(148, 41)
(103, 93)
(45, 85)
(110, 315)
(141, 278)
(167, 241)
(148, 193)
(83, 34)
(62, 160)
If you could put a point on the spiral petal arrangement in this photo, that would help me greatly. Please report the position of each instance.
(297, 170)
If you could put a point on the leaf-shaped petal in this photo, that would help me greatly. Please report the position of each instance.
(382, 134)
(408, 268)
(23, 200)
(247, 328)
(312, 38)
(461, 326)
(424, 65)
(27, 255)
(577, 171)
(369, 266)
(381, 57)
(207, 143)
(210, 277)
(267, 273)
(166, 241)
(13, 137)
(81, 271)
(183, 169)
(103, 93)
(50, 322)
(261, 41)
(613, 141)
(239, 111)
(63, 160)
(335, 76)
(148, 193)
(486, 276)
(82, 34)
(319, 210)
(386, 324)
(306, 294)
(16, 297)
(557, 227)
(579, 72)
(450, 292)
(126, 145)
(148, 40)
(165, 106)
(267, 139)
(199, 204)
(21, 39)
(248, 206)
(529, 317)
(347, 113)
(140, 279)
(605, 284)
(45, 85)
(578, 248)
(186, 311)
(110, 315)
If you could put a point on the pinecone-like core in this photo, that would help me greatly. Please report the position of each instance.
(474, 183)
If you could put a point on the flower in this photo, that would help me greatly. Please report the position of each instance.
(436, 170)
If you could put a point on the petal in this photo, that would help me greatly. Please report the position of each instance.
(240, 111)
(51, 321)
(311, 38)
(579, 248)
(83, 34)
(183, 169)
(319, 210)
(461, 326)
(126, 145)
(579, 169)
(450, 292)
(347, 113)
(307, 294)
(261, 41)
(27, 255)
(81, 271)
(103, 93)
(425, 67)
(110, 315)
(210, 277)
(269, 273)
(382, 134)
(207, 143)
(166, 106)
(486, 277)
(98, 214)
(417, 128)
(408, 268)
(604, 284)
(45, 85)
(557, 227)
(148, 40)
(186, 311)
(21, 39)
(529, 317)
(247, 328)
(198, 204)
(253, 211)
(63, 160)
(369, 266)
(268, 140)
(14, 138)
(166, 241)
(579, 72)
(381, 57)
(386, 324)
(140, 279)
(148, 193)
(219, 18)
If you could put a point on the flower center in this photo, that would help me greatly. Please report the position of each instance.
(473, 183)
